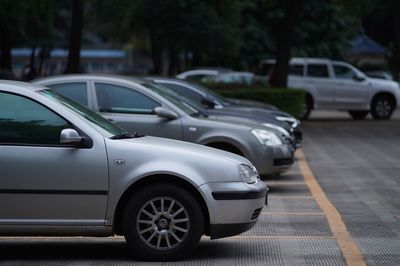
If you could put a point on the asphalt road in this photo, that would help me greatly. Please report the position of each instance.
(350, 196)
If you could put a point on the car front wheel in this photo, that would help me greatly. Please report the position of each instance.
(163, 222)
(382, 107)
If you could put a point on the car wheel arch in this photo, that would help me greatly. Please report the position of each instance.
(384, 93)
(147, 181)
(225, 146)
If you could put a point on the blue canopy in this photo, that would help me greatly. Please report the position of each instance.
(362, 44)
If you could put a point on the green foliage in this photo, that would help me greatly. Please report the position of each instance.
(288, 100)
(27, 22)
(323, 31)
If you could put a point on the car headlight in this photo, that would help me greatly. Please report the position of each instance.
(290, 120)
(280, 129)
(248, 174)
(266, 137)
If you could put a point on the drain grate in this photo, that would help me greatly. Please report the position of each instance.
(383, 260)
(310, 225)
(319, 247)
(368, 226)
(319, 260)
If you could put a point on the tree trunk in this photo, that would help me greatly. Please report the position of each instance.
(5, 51)
(74, 49)
(156, 53)
(396, 41)
(292, 11)
(43, 55)
(173, 61)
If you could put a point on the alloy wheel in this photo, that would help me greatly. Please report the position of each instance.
(163, 223)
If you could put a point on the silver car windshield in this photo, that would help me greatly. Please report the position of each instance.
(170, 96)
(205, 90)
(99, 123)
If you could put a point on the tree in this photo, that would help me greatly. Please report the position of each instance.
(12, 23)
(291, 12)
(75, 38)
(29, 23)
(203, 32)
(382, 23)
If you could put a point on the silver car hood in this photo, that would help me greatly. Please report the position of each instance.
(384, 82)
(179, 147)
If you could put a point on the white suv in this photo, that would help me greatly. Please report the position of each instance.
(336, 85)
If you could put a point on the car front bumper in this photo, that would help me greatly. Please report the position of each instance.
(273, 159)
(234, 207)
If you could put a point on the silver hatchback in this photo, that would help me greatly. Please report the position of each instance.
(67, 171)
(138, 106)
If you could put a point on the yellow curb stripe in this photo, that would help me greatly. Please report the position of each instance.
(293, 213)
(348, 246)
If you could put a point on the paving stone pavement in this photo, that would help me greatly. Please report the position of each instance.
(357, 163)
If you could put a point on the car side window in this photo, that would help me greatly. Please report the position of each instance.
(117, 99)
(186, 92)
(75, 91)
(317, 70)
(343, 72)
(296, 70)
(26, 122)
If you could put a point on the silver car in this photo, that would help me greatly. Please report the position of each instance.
(138, 106)
(67, 171)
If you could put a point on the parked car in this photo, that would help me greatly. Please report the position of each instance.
(281, 129)
(234, 77)
(137, 107)
(82, 175)
(277, 127)
(217, 105)
(200, 73)
(336, 85)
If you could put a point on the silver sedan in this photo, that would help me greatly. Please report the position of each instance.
(67, 171)
(138, 106)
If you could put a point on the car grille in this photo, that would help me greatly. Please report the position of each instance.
(280, 162)
(298, 134)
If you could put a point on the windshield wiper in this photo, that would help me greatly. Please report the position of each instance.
(125, 135)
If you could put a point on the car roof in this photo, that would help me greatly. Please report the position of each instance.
(72, 77)
(19, 86)
(300, 60)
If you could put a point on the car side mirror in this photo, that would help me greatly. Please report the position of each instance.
(70, 136)
(358, 77)
(165, 113)
(208, 102)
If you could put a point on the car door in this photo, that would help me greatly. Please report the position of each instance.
(351, 89)
(134, 111)
(43, 182)
(318, 77)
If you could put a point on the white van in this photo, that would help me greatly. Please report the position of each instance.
(336, 85)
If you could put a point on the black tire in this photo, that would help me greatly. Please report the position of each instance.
(358, 115)
(161, 225)
(307, 107)
(382, 107)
